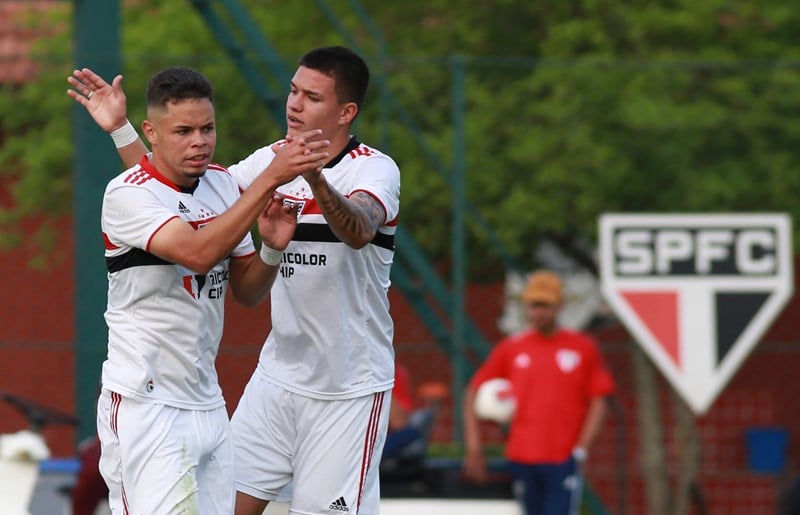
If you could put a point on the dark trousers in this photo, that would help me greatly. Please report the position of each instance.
(548, 488)
(398, 440)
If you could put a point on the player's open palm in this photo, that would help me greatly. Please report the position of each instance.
(277, 223)
(106, 103)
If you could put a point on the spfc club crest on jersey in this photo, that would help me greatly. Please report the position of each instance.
(697, 291)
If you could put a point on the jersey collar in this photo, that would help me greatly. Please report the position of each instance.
(148, 167)
(351, 145)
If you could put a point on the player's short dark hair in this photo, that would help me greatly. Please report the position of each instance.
(345, 67)
(177, 83)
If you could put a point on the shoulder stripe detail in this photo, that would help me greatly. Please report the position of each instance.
(351, 145)
(137, 177)
(133, 258)
(362, 151)
(323, 233)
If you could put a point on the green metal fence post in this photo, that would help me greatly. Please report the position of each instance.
(97, 46)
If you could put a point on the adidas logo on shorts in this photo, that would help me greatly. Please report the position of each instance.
(339, 505)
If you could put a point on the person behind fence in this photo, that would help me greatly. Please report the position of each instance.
(560, 383)
(411, 420)
(401, 433)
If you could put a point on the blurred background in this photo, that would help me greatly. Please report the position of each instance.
(515, 126)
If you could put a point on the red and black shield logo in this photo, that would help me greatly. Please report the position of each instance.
(697, 291)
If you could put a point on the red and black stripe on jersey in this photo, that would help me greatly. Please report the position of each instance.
(323, 233)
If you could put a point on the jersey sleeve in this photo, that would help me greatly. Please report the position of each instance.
(246, 170)
(246, 247)
(495, 365)
(600, 381)
(131, 215)
(380, 177)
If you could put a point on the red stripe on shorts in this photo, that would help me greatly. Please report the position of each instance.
(369, 442)
(124, 501)
(116, 400)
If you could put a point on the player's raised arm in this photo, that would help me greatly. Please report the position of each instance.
(107, 105)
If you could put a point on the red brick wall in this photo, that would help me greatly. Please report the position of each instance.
(16, 37)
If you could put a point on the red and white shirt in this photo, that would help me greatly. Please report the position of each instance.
(164, 321)
(554, 378)
(331, 334)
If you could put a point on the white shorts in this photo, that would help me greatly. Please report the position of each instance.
(329, 450)
(158, 459)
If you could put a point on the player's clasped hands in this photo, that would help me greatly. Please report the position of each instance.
(300, 154)
(310, 175)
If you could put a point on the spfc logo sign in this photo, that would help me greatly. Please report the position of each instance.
(696, 291)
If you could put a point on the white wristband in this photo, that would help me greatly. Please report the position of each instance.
(270, 256)
(125, 135)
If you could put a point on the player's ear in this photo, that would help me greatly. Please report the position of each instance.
(348, 113)
(149, 131)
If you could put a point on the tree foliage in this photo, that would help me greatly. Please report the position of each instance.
(572, 109)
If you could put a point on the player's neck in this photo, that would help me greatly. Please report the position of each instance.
(339, 142)
(547, 330)
(182, 179)
(339, 152)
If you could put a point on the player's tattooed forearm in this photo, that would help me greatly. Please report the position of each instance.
(354, 221)
(372, 208)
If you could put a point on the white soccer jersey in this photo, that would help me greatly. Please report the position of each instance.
(331, 332)
(164, 320)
